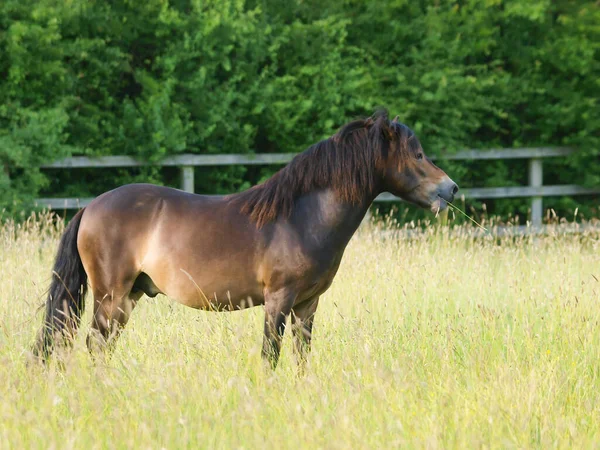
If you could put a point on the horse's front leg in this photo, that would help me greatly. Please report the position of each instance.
(278, 305)
(302, 322)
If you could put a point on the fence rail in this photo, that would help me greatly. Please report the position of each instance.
(536, 189)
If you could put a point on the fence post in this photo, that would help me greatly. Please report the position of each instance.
(536, 176)
(187, 179)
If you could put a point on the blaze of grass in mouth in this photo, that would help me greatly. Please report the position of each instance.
(454, 207)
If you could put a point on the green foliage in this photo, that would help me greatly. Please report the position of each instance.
(155, 78)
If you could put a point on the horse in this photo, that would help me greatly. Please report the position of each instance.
(277, 244)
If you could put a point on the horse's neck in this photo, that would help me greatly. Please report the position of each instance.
(324, 219)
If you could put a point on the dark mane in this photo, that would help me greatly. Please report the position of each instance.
(346, 162)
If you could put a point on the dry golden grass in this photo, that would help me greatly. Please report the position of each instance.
(439, 341)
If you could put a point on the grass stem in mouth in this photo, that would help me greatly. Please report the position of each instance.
(454, 207)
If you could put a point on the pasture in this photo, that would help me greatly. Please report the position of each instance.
(440, 341)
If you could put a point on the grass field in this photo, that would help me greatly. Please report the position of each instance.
(433, 342)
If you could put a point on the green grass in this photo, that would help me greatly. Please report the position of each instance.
(436, 342)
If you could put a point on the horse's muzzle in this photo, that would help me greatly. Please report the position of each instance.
(447, 190)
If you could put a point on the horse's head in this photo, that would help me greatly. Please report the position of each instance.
(411, 175)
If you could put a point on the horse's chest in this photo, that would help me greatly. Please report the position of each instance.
(322, 276)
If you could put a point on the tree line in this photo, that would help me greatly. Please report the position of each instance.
(157, 78)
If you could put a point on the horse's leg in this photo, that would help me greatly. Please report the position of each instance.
(302, 322)
(278, 305)
(111, 313)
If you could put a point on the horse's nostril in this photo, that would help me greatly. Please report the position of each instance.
(454, 189)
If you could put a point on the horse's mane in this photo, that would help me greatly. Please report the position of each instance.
(346, 162)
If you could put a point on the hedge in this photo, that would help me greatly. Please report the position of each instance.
(157, 78)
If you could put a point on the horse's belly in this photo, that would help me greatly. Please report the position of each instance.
(221, 299)
(212, 269)
(218, 288)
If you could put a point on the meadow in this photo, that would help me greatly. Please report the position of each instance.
(438, 341)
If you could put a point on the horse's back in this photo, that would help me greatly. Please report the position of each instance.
(140, 198)
(131, 215)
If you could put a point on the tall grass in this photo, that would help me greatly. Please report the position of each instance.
(438, 341)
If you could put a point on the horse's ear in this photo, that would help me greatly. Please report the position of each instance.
(389, 129)
(392, 127)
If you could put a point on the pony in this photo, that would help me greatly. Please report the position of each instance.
(277, 244)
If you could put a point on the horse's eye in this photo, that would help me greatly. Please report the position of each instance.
(419, 155)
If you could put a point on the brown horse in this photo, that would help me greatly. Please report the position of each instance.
(279, 243)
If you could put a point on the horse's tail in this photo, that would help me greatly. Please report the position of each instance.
(66, 296)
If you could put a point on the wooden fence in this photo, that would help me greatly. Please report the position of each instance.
(536, 190)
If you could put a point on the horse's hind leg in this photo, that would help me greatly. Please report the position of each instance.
(111, 313)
